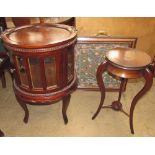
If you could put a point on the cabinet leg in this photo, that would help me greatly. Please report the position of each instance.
(148, 83)
(102, 67)
(65, 104)
(24, 106)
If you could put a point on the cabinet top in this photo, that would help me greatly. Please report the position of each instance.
(39, 35)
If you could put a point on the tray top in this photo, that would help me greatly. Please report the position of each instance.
(128, 57)
(39, 35)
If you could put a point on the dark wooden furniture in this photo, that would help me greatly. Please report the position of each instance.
(1, 133)
(4, 65)
(20, 21)
(125, 63)
(3, 60)
(90, 52)
(43, 55)
(3, 25)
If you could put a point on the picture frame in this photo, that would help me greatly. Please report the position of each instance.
(90, 52)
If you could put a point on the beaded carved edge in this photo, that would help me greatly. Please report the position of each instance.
(41, 49)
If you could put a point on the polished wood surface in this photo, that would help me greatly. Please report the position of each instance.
(39, 35)
(125, 67)
(128, 57)
(43, 56)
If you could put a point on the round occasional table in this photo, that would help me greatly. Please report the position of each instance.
(125, 63)
(43, 56)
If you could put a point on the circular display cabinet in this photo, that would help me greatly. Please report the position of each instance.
(43, 56)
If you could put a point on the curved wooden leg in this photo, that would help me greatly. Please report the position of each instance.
(24, 106)
(1, 133)
(65, 104)
(102, 67)
(124, 84)
(3, 79)
(149, 80)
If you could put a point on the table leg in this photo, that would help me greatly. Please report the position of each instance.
(116, 105)
(148, 83)
(1, 133)
(65, 104)
(102, 68)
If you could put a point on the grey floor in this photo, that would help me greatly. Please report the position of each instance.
(47, 120)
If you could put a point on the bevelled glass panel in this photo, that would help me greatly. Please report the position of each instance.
(35, 72)
(50, 71)
(70, 66)
(22, 71)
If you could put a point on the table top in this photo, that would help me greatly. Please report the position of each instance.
(128, 57)
(39, 35)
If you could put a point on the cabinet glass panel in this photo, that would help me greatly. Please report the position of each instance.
(22, 71)
(35, 72)
(50, 71)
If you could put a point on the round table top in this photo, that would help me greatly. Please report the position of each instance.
(128, 57)
(39, 35)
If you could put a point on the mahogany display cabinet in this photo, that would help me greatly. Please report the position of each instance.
(43, 56)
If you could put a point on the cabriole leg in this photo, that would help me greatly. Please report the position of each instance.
(148, 83)
(65, 104)
(102, 67)
(24, 106)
